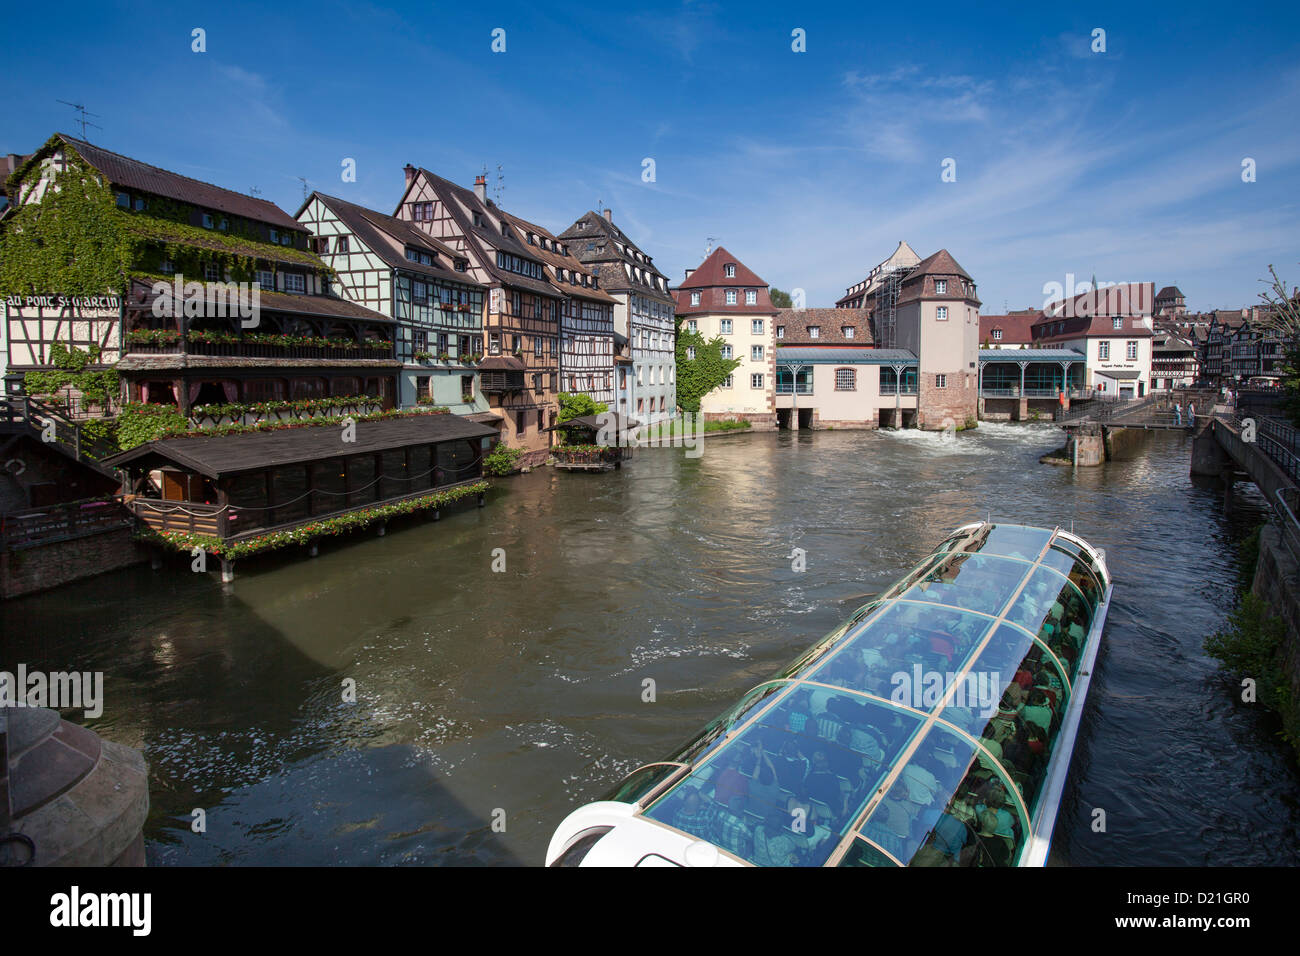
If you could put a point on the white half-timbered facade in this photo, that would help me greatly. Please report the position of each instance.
(388, 265)
(643, 312)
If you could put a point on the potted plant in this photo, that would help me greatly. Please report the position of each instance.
(444, 357)
(467, 399)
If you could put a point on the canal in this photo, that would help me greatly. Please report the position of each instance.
(513, 696)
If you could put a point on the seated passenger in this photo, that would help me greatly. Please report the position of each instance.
(824, 786)
(731, 830)
(791, 766)
(801, 712)
(866, 743)
(992, 849)
(950, 835)
(695, 815)
(730, 783)
(921, 784)
(775, 845)
(1037, 711)
(764, 789)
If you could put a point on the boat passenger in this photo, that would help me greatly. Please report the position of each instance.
(695, 815)
(730, 783)
(791, 766)
(774, 845)
(764, 789)
(731, 830)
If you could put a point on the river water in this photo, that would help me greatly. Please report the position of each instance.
(514, 696)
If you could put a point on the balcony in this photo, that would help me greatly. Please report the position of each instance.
(266, 350)
(498, 382)
(785, 388)
(907, 389)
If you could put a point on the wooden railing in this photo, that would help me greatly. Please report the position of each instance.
(62, 522)
(253, 350)
(192, 517)
(591, 456)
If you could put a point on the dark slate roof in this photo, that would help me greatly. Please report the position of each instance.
(558, 260)
(324, 306)
(843, 356)
(458, 199)
(607, 258)
(497, 363)
(1169, 292)
(371, 227)
(133, 174)
(222, 455)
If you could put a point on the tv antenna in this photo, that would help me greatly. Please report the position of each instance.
(254, 192)
(303, 180)
(81, 117)
(500, 184)
(712, 240)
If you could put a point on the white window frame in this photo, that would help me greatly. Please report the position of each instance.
(751, 297)
(941, 380)
(731, 297)
(756, 380)
(756, 353)
(756, 327)
(941, 313)
(940, 286)
(724, 326)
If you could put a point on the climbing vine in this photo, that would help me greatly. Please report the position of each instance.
(698, 376)
(70, 371)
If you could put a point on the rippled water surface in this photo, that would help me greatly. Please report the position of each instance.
(520, 693)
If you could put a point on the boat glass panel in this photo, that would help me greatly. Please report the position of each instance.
(975, 582)
(862, 853)
(1079, 573)
(1015, 541)
(642, 781)
(1054, 610)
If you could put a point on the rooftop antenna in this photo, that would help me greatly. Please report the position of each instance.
(254, 191)
(712, 240)
(500, 187)
(303, 180)
(81, 118)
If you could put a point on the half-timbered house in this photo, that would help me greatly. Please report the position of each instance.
(586, 317)
(521, 369)
(643, 313)
(219, 297)
(386, 264)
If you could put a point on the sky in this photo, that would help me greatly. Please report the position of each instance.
(1124, 163)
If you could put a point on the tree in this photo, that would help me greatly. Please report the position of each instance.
(698, 376)
(1283, 317)
(780, 300)
(579, 405)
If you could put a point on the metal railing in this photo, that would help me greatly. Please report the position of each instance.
(786, 389)
(62, 522)
(896, 390)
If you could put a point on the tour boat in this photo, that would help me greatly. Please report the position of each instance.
(933, 728)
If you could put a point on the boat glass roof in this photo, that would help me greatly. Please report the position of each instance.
(919, 732)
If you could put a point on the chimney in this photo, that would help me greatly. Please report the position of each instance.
(410, 173)
(609, 214)
(688, 273)
(480, 188)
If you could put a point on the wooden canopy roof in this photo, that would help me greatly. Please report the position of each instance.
(221, 455)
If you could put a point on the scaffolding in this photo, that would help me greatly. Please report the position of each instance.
(886, 312)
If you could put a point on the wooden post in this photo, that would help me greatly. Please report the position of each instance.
(227, 571)
(311, 492)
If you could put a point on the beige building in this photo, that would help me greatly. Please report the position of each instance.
(724, 299)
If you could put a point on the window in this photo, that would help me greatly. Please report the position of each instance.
(814, 331)
(724, 326)
(295, 282)
(212, 273)
(997, 334)
(726, 351)
(264, 278)
(846, 379)
(756, 353)
(940, 286)
(941, 313)
(123, 200)
(208, 222)
(275, 235)
(756, 380)
(692, 326)
(341, 244)
(848, 331)
(690, 353)
(726, 382)
(1132, 351)
(780, 331)
(537, 346)
(730, 270)
(1117, 323)
(519, 422)
(731, 297)
(756, 327)
(941, 381)
(419, 341)
(138, 204)
(1103, 351)
(421, 386)
(494, 343)
(751, 297)
(695, 298)
(420, 293)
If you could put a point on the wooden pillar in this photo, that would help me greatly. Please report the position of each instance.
(270, 498)
(311, 488)
(379, 476)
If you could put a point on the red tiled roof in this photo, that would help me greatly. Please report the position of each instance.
(830, 324)
(1016, 327)
(711, 283)
(711, 273)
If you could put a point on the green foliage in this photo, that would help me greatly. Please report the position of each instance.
(1251, 647)
(698, 376)
(69, 371)
(780, 300)
(502, 460)
(140, 423)
(578, 405)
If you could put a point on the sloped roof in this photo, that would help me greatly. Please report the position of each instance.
(939, 263)
(558, 260)
(611, 252)
(843, 356)
(711, 273)
(830, 324)
(371, 227)
(1169, 291)
(1016, 327)
(133, 174)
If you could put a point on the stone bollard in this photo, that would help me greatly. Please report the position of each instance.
(68, 797)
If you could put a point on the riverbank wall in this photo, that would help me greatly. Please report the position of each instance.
(1277, 584)
(40, 567)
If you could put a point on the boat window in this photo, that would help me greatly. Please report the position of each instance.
(785, 789)
(862, 853)
(577, 850)
(951, 805)
(893, 657)
(1079, 573)
(976, 582)
(716, 730)
(642, 781)
(1014, 541)
(1054, 610)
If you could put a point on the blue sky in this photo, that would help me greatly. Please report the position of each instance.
(809, 167)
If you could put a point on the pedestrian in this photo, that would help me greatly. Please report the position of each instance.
(1191, 414)
(1178, 413)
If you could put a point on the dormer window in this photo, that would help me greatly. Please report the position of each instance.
(940, 286)
(731, 297)
(531, 240)
(997, 334)
(505, 229)
(730, 270)
(1117, 323)
(695, 298)
(462, 265)
(478, 220)
(814, 331)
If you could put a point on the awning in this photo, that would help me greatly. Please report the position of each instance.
(1121, 376)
